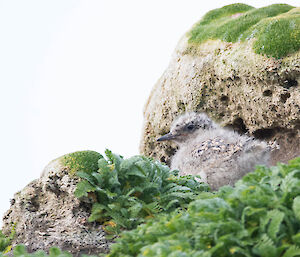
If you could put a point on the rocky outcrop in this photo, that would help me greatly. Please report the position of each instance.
(46, 213)
(234, 84)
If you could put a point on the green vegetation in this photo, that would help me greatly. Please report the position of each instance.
(276, 28)
(260, 216)
(127, 192)
(165, 215)
(280, 36)
(20, 251)
(86, 161)
(5, 241)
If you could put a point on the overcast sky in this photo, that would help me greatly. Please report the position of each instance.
(75, 75)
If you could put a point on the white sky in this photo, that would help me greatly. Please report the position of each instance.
(75, 75)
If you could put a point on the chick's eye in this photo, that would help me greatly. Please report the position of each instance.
(190, 127)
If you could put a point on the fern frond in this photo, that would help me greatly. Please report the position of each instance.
(292, 251)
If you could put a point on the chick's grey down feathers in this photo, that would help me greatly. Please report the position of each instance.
(218, 155)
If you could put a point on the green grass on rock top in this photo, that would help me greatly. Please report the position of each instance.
(276, 27)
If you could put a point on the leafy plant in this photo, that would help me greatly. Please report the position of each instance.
(126, 192)
(20, 251)
(260, 216)
(5, 241)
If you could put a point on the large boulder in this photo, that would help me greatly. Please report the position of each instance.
(46, 213)
(241, 66)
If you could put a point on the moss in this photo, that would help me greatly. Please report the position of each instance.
(224, 12)
(86, 161)
(276, 28)
(275, 44)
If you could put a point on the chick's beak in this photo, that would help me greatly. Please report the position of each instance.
(165, 137)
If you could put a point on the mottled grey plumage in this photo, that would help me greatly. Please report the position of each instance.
(220, 156)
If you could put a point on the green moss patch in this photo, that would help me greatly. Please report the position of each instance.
(276, 28)
(86, 161)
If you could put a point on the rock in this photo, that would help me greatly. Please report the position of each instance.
(230, 68)
(46, 213)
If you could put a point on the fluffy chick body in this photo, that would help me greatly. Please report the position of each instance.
(220, 156)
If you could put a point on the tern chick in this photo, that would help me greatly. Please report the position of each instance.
(220, 156)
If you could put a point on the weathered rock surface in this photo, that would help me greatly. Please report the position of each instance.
(46, 213)
(235, 86)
